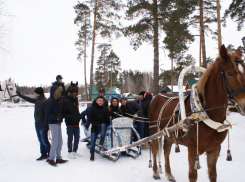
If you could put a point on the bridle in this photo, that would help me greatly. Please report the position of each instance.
(9, 92)
(227, 86)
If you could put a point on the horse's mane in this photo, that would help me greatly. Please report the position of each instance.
(201, 84)
(204, 78)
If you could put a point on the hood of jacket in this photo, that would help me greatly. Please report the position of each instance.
(54, 91)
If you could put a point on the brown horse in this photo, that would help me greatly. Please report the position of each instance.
(212, 89)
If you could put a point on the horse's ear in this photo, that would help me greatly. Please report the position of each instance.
(223, 52)
(9, 79)
(238, 52)
(76, 83)
(71, 82)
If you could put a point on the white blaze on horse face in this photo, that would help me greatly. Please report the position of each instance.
(240, 68)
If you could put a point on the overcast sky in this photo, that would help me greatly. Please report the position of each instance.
(41, 36)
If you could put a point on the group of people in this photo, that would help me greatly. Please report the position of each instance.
(49, 114)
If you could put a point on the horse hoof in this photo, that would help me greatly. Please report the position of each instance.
(156, 177)
(172, 180)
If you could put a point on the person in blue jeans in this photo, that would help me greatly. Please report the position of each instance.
(85, 121)
(99, 118)
(41, 124)
(70, 111)
(133, 109)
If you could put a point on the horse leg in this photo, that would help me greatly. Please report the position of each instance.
(167, 149)
(191, 159)
(154, 155)
(212, 157)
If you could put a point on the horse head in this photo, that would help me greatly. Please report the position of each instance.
(233, 77)
(73, 84)
(11, 91)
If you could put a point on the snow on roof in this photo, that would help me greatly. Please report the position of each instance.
(175, 88)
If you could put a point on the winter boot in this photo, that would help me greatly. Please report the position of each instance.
(52, 163)
(61, 161)
(41, 158)
(92, 157)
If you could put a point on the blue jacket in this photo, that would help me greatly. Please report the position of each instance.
(53, 111)
(86, 113)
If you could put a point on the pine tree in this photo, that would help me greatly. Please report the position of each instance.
(236, 12)
(105, 23)
(84, 35)
(108, 67)
(181, 63)
(150, 16)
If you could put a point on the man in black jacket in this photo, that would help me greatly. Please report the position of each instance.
(133, 109)
(102, 94)
(41, 124)
(99, 118)
(58, 83)
(70, 112)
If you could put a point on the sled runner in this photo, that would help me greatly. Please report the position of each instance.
(121, 132)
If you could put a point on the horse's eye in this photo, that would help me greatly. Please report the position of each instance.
(230, 74)
(10, 88)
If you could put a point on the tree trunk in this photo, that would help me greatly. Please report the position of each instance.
(219, 25)
(92, 57)
(202, 35)
(156, 51)
(172, 76)
(85, 55)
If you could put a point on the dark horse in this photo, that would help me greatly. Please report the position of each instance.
(212, 88)
(72, 85)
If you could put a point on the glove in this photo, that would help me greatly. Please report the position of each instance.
(18, 93)
(45, 128)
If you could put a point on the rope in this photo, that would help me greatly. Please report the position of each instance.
(218, 107)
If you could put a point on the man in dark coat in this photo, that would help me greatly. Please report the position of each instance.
(54, 115)
(58, 83)
(70, 112)
(114, 110)
(101, 93)
(99, 118)
(86, 112)
(41, 124)
(145, 106)
(133, 108)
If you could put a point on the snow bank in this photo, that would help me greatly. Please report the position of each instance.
(20, 148)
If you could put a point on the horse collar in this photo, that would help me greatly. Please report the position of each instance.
(196, 105)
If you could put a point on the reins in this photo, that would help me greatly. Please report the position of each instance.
(176, 115)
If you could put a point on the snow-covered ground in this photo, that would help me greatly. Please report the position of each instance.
(19, 149)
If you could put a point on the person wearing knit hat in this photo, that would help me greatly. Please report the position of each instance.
(41, 124)
(137, 98)
(123, 98)
(39, 90)
(133, 109)
(163, 91)
(141, 94)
